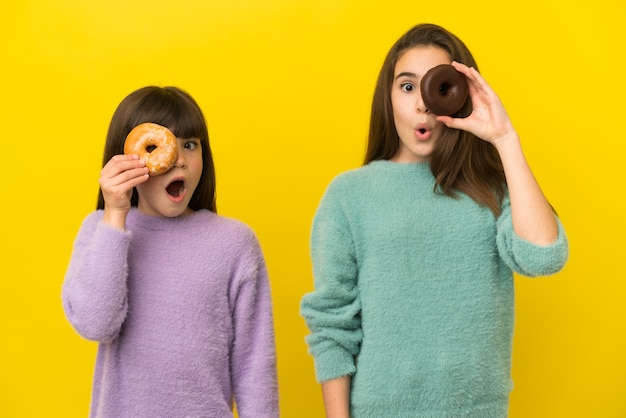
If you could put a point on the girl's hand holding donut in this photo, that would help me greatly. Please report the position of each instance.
(532, 216)
(117, 179)
(488, 120)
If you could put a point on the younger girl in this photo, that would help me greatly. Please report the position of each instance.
(177, 297)
(414, 253)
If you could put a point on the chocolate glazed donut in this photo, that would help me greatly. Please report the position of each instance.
(444, 90)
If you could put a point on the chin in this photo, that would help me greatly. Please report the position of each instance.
(175, 212)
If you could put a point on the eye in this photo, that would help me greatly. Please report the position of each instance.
(191, 145)
(407, 87)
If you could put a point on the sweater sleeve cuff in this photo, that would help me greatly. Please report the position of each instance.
(333, 363)
(540, 260)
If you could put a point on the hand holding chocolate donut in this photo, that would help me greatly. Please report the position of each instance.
(155, 144)
(444, 90)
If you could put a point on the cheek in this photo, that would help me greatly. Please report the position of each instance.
(146, 187)
(438, 130)
(397, 112)
(197, 167)
(402, 108)
(439, 126)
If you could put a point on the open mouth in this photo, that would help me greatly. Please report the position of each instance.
(422, 133)
(175, 188)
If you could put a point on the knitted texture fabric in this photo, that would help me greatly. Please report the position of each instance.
(182, 312)
(414, 294)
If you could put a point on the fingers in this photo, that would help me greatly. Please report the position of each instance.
(123, 169)
(463, 124)
(476, 82)
(481, 93)
(127, 166)
(489, 119)
(118, 178)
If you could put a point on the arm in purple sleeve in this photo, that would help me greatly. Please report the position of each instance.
(94, 292)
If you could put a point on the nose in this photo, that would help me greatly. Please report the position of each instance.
(180, 159)
(420, 106)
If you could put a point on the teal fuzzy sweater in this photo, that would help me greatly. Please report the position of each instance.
(414, 294)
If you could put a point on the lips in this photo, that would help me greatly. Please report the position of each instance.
(422, 133)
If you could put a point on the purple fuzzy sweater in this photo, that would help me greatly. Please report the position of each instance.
(182, 312)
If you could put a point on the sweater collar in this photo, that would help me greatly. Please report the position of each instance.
(137, 219)
(419, 167)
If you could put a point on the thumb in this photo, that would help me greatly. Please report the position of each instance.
(450, 122)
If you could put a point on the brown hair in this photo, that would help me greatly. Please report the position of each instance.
(175, 109)
(460, 161)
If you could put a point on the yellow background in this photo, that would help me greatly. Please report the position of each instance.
(286, 88)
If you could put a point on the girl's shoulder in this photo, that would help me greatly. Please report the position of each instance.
(235, 231)
(226, 223)
(353, 177)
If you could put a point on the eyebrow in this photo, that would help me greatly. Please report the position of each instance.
(405, 74)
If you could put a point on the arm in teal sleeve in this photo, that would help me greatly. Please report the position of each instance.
(526, 258)
(332, 310)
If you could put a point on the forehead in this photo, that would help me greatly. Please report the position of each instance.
(418, 60)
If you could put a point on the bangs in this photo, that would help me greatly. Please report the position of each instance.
(171, 109)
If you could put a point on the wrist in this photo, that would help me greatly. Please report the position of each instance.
(507, 142)
(115, 218)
